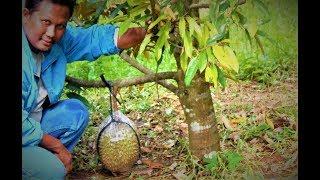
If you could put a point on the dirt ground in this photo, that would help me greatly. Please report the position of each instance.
(163, 134)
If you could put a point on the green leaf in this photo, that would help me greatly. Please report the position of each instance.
(100, 7)
(184, 61)
(124, 26)
(161, 17)
(205, 33)
(256, 131)
(210, 55)
(223, 6)
(73, 95)
(264, 21)
(221, 78)
(252, 28)
(144, 43)
(212, 162)
(226, 57)
(217, 37)
(202, 61)
(211, 27)
(135, 2)
(178, 6)
(262, 6)
(119, 18)
(234, 64)
(186, 37)
(138, 10)
(193, 25)
(163, 37)
(259, 44)
(233, 159)
(157, 52)
(212, 11)
(187, 43)
(116, 11)
(263, 34)
(211, 75)
(219, 21)
(248, 37)
(242, 18)
(191, 71)
(182, 27)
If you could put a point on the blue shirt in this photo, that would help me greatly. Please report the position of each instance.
(76, 44)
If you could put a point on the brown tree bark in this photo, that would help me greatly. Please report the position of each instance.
(198, 108)
(197, 104)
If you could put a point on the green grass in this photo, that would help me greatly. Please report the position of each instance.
(281, 55)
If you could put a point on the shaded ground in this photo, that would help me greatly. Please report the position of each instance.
(260, 123)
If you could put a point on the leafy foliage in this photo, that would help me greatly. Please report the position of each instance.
(205, 40)
(218, 160)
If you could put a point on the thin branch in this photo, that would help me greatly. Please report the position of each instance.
(135, 63)
(199, 5)
(153, 10)
(206, 5)
(123, 82)
(145, 70)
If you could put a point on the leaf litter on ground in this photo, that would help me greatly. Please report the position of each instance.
(270, 149)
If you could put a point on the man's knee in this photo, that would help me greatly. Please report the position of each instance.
(38, 163)
(78, 110)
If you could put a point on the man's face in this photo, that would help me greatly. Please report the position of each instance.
(46, 24)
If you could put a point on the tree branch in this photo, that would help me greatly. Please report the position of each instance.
(206, 5)
(199, 5)
(123, 82)
(153, 10)
(145, 70)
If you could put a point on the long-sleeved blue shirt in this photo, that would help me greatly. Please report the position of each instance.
(76, 44)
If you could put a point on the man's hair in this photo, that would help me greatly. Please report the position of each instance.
(31, 5)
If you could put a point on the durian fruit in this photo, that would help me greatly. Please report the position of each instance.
(118, 147)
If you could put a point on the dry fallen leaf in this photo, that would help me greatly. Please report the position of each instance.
(184, 128)
(253, 141)
(235, 136)
(226, 123)
(173, 165)
(169, 143)
(152, 165)
(158, 129)
(270, 123)
(145, 149)
(281, 122)
(266, 138)
(180, 175)
(237, 121)
(147, 171)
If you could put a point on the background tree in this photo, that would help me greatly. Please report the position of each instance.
(196, 35)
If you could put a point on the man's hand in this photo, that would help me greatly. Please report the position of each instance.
(54, 145)
(65, 156)
(132, 37)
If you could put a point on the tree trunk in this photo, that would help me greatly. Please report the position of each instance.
(197, 104)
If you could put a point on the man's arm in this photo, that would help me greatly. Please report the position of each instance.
(90, 43)
(54, 145)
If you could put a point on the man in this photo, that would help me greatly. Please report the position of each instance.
(51, 128)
